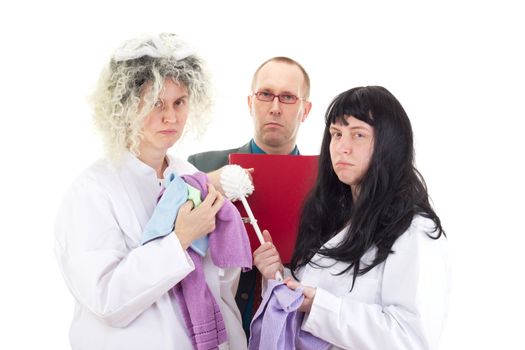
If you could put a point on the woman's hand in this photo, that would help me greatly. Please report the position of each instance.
(195, 223)
(267, 259)
(308, 292)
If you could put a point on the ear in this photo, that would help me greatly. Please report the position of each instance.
(306, 110)
(250, 103)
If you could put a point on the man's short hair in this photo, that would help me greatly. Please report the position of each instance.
(288, 60)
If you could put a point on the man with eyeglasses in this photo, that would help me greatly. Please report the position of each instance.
(278, 105)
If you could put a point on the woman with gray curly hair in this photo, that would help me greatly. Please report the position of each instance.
(123, 283)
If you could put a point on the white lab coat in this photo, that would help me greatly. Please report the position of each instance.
(399, 304)
(122, 289)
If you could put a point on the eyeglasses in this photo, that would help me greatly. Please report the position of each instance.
(269, 97)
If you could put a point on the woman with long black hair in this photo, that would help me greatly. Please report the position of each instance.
(371, 253)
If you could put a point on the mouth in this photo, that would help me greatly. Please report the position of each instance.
(168, 132)
(273, 125)
(343, 164)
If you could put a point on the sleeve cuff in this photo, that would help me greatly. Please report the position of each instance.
(179, 255)
(325, 305)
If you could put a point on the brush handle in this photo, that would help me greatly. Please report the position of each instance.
(258, 232)
(252, 219)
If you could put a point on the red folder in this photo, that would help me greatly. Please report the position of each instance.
(281, 183)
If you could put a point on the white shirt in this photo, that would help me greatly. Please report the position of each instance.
(122, 289)
(399, 304)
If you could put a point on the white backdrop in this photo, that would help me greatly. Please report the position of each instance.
(457, 67)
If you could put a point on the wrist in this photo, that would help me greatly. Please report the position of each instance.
(183, 239)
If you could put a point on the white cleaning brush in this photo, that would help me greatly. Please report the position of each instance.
(237, 185)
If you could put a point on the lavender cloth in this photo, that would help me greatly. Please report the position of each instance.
(229, 247)
(229, 243)
(200, 311)
(277, 323)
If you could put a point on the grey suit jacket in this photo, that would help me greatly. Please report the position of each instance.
(213, 160)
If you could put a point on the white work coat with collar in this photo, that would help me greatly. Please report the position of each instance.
(122, 290)
(399, 304)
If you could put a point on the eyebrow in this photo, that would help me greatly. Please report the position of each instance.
(273, 91)
(353, 128)
(178, 98)
(358, 127)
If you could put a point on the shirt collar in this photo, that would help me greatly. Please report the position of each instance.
(258, 150)
(142, 168)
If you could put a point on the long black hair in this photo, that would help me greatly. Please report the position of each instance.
(391, 192)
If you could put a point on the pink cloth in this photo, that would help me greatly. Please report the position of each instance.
(199, 309)
(229, 247)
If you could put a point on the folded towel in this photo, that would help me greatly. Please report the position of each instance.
(200, 311)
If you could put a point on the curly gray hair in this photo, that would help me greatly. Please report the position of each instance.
(118, 115)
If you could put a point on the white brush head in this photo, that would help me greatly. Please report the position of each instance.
(235, 182)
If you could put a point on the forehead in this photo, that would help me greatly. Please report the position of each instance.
(169, 86)
(352, 123)
(280, 77)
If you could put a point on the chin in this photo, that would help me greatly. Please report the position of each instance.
(273, 140)
(172, 142)
(346, 180)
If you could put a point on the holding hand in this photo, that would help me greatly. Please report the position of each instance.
(266, 258)
(192, 224)
(215, 178)
(308, 292)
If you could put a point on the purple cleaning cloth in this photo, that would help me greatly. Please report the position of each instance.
(229, 247)
(229, 243)
(200, 311)
(277, 323)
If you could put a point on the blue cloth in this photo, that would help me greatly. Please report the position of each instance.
(258, 150)
(174, 194)
(277, 324)
(200, 246)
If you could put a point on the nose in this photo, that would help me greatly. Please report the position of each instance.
(275, 108)
(344, 146)
(169, 115)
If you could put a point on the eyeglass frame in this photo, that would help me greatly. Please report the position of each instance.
(256, 94)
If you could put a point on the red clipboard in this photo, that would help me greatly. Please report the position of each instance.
(281, 183)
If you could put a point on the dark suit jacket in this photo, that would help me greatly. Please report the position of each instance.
(213, 160)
